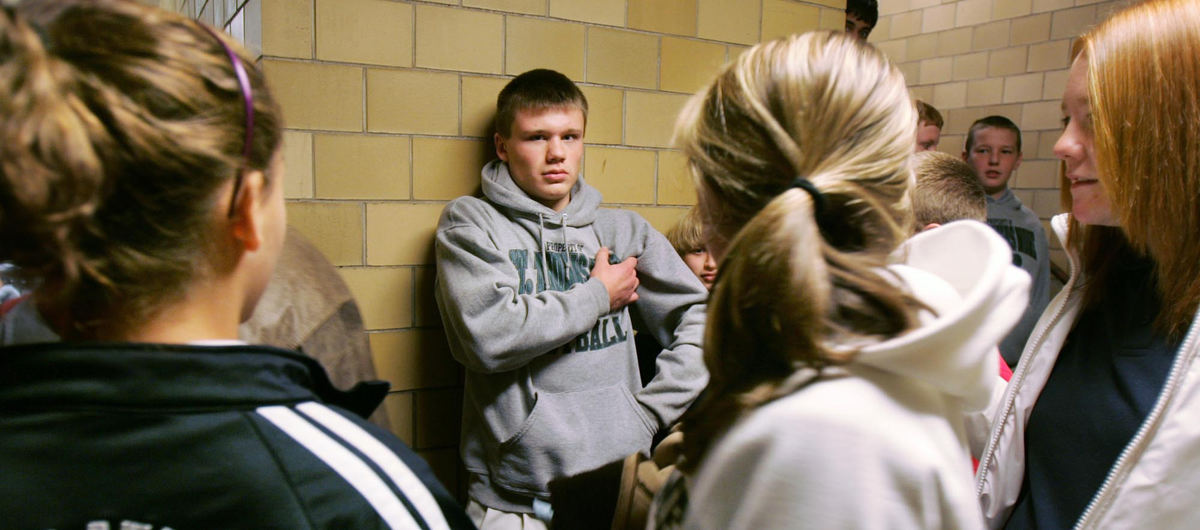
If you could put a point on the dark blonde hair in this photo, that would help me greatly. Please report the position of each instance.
(119, 125)
(1147, 149)
(801, 280)
(926, 113)
(946, 190)
(688, 233)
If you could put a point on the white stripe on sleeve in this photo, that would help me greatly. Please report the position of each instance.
(344, 462)
(401, 475)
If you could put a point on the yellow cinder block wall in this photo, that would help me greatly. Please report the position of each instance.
(389, 105)
(974, 58)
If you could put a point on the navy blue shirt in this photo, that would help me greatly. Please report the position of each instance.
(1104, 383)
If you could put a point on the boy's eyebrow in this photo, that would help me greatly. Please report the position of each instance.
(546, 131)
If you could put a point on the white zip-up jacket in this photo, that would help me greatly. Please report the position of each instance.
(1154, 481)
(880, 442)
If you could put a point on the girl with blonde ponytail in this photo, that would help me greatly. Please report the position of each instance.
(843, 360)
(141, 188)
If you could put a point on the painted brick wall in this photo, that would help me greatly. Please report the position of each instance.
(389, 105)
(973, 58)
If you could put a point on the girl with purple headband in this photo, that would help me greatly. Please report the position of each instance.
(141, 187)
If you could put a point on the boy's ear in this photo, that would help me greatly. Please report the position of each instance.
(1017, 164)
(501, 149)
(249, 214)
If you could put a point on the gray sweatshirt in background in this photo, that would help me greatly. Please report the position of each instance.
(1018, 225)
(552, 385)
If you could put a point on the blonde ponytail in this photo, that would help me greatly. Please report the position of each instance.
(800, 151)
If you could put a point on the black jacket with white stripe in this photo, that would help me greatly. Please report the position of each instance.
(151, 436)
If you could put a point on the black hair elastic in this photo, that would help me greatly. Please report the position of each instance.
(818, 198)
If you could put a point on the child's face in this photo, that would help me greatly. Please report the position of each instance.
(543, 151)
(857, 27)
(994, 156)
(703, 265)
(928, 136)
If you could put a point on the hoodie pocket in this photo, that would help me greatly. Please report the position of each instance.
(568, 433)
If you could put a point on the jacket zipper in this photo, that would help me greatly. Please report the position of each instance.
(1185, 355)
(1022, 370)
(1014, 385)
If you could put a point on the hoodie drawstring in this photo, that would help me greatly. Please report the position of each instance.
(563, 227)
(542, 246)
(542, 243)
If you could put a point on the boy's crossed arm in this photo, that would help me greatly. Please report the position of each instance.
(672, 303)
(496, 328)
(619, 279)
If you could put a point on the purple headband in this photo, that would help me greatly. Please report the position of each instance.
(248, 101)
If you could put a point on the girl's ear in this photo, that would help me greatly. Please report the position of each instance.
(248, 218)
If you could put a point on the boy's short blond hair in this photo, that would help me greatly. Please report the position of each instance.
(688, 233)
(946, 190)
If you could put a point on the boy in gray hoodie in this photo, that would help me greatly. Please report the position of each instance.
(535, 286)
(994, 150)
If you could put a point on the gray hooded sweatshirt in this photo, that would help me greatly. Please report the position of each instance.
(1023, 230)
(552, 384)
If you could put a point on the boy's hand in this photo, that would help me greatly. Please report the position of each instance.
(620, 279)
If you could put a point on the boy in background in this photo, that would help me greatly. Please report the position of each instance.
(993, 148)
(534, 284)
(861, 17)
(929, 126)
(946, 190)
(687, 237)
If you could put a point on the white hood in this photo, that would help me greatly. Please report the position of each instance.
(963, 271)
